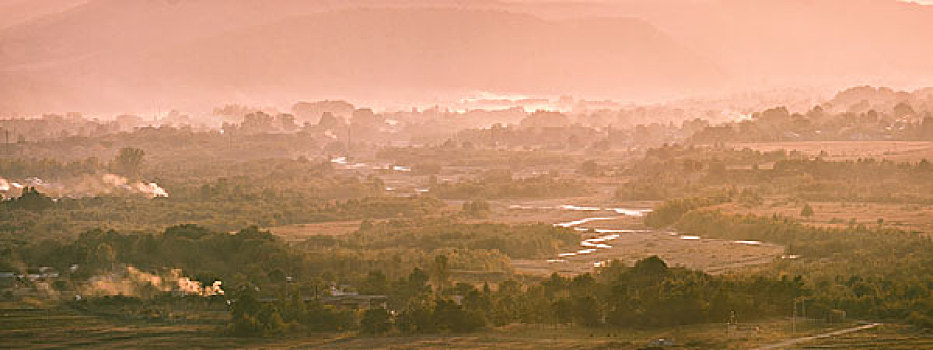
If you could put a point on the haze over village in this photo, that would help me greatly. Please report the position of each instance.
(466, 174)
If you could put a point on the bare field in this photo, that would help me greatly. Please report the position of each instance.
(849, 150)
(709, 255)
(908, 217)
(631, 244)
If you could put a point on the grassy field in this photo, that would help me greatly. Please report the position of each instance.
(885, 336)
(54, 327)
(301, 232)
(848, 150)
(908, 217)
(26, 326)
(709, 255)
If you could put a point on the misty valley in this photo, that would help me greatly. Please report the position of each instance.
(446, 174)
(359, 226)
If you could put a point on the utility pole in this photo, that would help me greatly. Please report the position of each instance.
(803, 307)
(732, 327)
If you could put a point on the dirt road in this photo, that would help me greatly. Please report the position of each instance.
(795, 341)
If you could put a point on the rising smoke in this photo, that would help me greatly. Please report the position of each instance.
(135, 282)
(148, 188)
(85, 186)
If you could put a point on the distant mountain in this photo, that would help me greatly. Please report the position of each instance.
(374, 53)
(39, 33)
(14, 12)
(109, 55)
(784, 43)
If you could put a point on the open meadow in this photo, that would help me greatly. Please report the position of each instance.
(25, 325)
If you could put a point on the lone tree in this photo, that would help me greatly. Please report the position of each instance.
(807, 211)
(129, 161)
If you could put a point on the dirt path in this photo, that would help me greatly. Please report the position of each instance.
(795, 341)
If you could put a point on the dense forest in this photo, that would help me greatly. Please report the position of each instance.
(648, 294)
(674, 171)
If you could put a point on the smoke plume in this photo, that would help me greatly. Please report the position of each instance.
(85, 186)
(134, 282)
